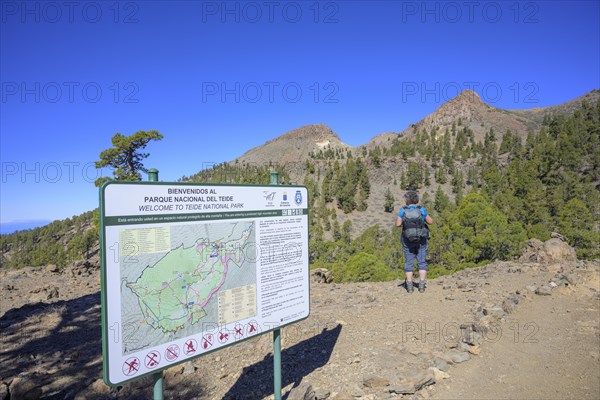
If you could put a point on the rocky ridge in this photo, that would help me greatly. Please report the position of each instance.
(291, 149)
(478, 116)
(294, 146)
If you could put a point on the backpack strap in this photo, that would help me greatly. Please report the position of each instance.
(417, 206)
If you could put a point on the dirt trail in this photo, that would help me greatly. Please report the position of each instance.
(548, 349)
(362, 341)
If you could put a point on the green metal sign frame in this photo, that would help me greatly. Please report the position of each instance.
(132, 219)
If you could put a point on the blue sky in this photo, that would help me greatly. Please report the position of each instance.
(218, 78)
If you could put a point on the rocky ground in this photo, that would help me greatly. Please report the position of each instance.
(527, 330)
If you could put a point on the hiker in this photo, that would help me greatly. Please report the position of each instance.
(412, 219)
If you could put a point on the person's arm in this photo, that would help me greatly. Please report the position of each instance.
(427, 217)
(399, 219)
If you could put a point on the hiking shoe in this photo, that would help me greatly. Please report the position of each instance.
(409, 286)
(422, 287)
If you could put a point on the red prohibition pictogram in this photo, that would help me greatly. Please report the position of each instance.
(152, 359)
(172, 352)
(131, 366)
(238, 331)
(252, 328)
(223, 336)
(207, 341)
(190, 347)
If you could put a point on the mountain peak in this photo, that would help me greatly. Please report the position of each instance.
(313, 132)
(467, 96)
(466, 108)
(295, 145)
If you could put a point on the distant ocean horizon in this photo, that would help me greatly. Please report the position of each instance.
(7, 228)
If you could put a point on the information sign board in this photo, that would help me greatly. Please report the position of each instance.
(190, 268)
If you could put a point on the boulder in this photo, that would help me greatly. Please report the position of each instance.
(52, 293)
(533, 247)
(322, 394)
(553, 250)
(439, 374)
(458, 357)
(557, 251)
(321, 275)
(342, 396)
(304, 391)
(3, 391)
(375, 381)
(414, 383)
(544, 290)
(403, 388)
(25, 388)
(52, 268)
(440, 364)
(494, 310)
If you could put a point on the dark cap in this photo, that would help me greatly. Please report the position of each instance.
(412, 196)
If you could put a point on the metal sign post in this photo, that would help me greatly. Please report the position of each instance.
(158, 377)
(276, 333)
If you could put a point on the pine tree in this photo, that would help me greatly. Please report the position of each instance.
(375, 155)
(426, 201)
(364, 186)
(326, 184)
(337, 235)
(440, 175)
(414, 175)
(457, 181)
(506, 144)
(426, 174)
(346, 230)
(403, 181)
(441, 201)
(482, 232)
(388, 205)
(125, 157)
(472, 177)
(577, 224)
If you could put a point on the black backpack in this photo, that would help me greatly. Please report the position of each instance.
(414, 228)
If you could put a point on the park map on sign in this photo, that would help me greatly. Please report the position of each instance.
(170, 277)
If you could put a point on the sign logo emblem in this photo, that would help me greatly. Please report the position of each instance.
(269, 195)
(298, 198)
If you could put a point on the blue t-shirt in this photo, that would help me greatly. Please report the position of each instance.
(423, 211)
